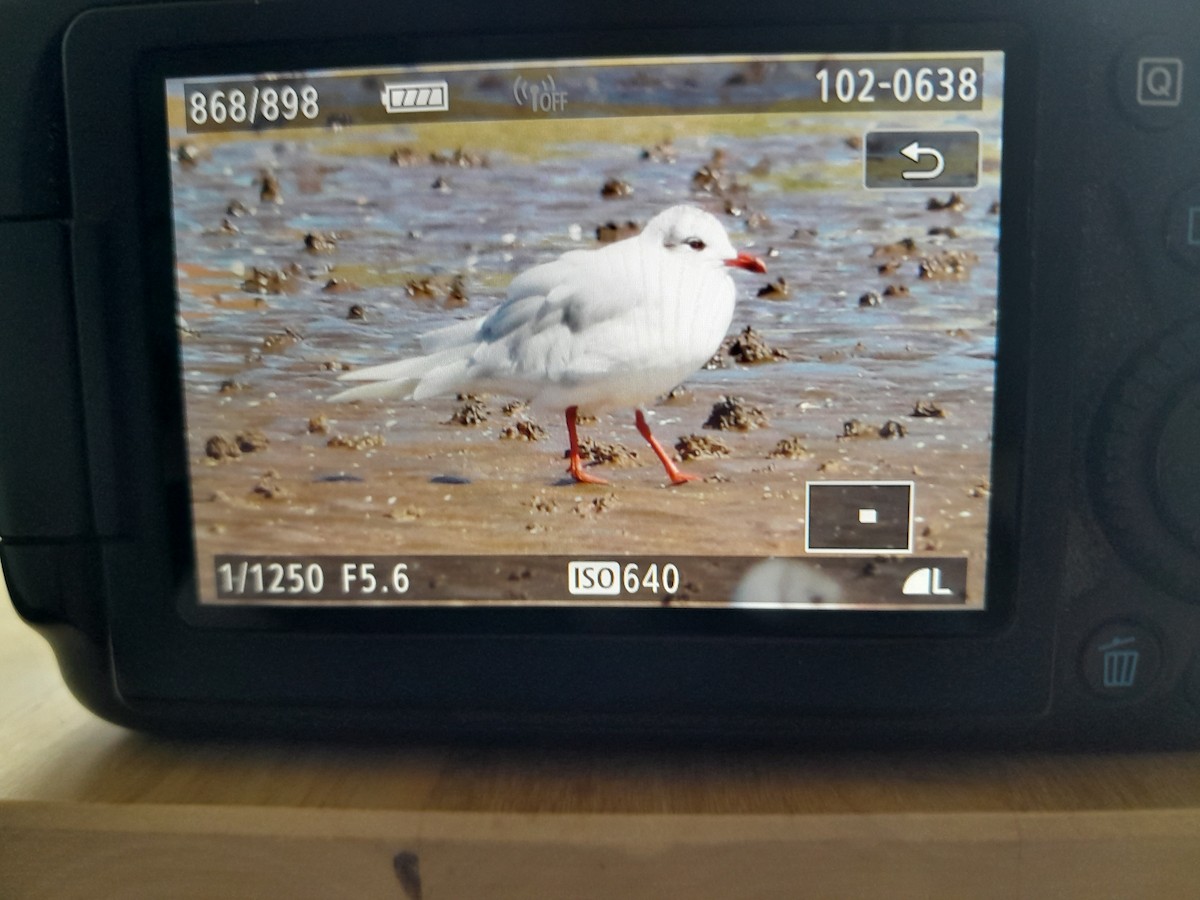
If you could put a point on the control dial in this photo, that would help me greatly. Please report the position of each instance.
(1146, 462)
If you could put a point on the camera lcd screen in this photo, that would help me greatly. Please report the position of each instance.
(670, 332)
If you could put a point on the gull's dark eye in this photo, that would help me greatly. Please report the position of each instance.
(696, 244)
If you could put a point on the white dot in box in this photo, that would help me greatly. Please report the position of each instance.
(868, 516)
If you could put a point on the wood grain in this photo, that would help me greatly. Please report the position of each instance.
(48, 850)
(89, 809)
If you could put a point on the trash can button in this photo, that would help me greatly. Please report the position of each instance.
(1121, 660)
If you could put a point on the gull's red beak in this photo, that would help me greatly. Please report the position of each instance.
(748, 262)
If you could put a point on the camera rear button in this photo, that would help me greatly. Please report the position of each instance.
(1192, 684)
(1152, 82)
(1183, 227)
(1121, 660)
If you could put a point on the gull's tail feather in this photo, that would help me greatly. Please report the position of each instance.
(419, 378)
(460, 334)
(401, 369)
(399, 388)
(451, 378)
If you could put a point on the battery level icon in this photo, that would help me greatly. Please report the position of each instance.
(407, 96)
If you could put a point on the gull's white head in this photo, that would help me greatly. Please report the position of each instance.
(692, 233)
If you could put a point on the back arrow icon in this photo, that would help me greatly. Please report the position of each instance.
(915, 151)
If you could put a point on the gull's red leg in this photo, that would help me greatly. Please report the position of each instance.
(576, 466)
(676, 476)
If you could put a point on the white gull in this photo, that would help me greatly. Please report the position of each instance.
(591, 331)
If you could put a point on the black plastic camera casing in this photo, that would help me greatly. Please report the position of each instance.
(1099, 372)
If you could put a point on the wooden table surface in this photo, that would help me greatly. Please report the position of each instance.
(88, 809)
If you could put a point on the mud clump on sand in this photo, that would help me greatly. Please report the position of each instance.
(453, 291)
(318, 425)
(269, 190)
(252, 441)
(749, 347)
(897, 290)
(663, 152)
(869, 299)
(472, 412)
(229, 386)
(595, 506)
(615, 188)
(356, 313)
(523, 431)
(420, 288)
(513, 407)
(319, 242)
(265, 281)
(456, 294)
(698, 446)
(953, 203)
(775, 290)
(708, 179)
(901, 249)
(355, 442)
(188, 155)
(927, 409)
(270, 488)
(714, 178)
(274, 343)
(605, 454)
(854, 428)
(340, 286)
(610, 232)
(460, 159)
(857, 428)
(220, 447)
(790, 448)
(759, 221)
(735, 414)
(404, 157)
(946, 266)
(717, 360)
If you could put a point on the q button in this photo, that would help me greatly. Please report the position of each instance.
(1154, 82)
(1160, 81)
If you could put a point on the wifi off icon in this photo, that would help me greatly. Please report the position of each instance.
(543, 97)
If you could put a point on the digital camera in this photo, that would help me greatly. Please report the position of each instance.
(827, 372)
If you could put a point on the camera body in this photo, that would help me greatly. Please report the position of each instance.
(1088, 631)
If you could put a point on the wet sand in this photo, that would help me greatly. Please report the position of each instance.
(421, 484)
(435, 487)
